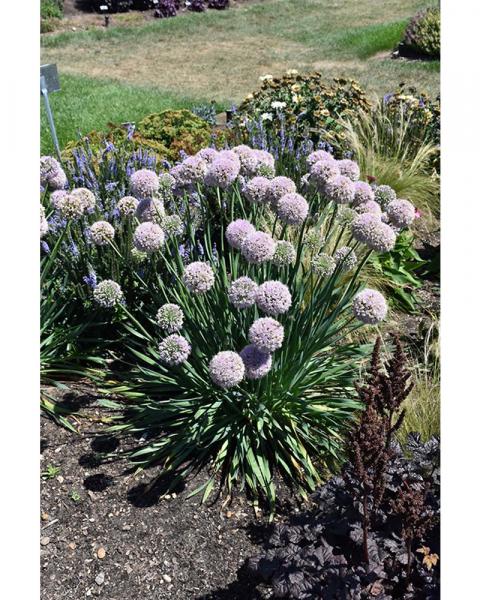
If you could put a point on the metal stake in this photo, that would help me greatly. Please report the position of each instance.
(44, 92)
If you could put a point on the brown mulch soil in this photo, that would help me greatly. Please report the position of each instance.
(154, 547)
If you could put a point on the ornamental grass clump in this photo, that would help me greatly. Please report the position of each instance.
(237, 332)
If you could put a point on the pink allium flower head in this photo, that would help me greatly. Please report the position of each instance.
(369, 307)
(285, 254)
(257, 190)
(107, 293)
(51, 174)
(174, 350)
(340, 190)
(265, 162)
(229, 155)
(150, 209)
(370, 206)
(363, 193)
(86, 197)
(349, 168)
(370, 230)
(237, 231)
(346, 258)
(56, 196)
(248, 160)
(222, 172)
(319, 155)
(323, 264)
(148, 237)
(266, 334)
(208, 154)
(71, 206)
(170, 318)
(322, 171)
(384, 194)
(144, 183)
(273, 298)
(226, 369)
(102, 233)
(257, 363)
(279, 186)
(198, 277)
(401, 213)
(242, 292)
(43, 223)
(292, 209)
(258, 247)
(127, 206)
(193, 170)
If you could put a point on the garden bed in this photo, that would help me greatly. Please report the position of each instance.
(155, 548)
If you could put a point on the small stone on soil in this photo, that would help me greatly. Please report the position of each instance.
(167, 578)
(101, 553)
(100, 578)
(45, 540)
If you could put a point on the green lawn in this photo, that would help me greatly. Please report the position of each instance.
(123, 73)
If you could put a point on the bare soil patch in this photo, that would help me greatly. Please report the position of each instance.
(104, 536)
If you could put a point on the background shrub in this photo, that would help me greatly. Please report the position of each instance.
(422, 35)
(51, 9)
(312, 107)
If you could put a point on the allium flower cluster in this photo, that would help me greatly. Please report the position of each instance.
(369, 307)
(127, 206)
(346, 258)
(174, 350)
(363, 193)
(322, 171)
(172, 225)
(43, 223)
(226, 369)
(284, 254)
(148, 237)
(85, 197)
(222, 172)
(248, 160)
(108, 293)
(170, 317)
(384, 194)
(323, 265)
(70, 207)
(144, 183)
(279, 186)
(349, 168)
(258, 247)
(319, 155)
(237, 231)
(150, 210)
(266, 334)
(257, 190)
(198, 277)
(292, 209)
(102, 233)
(51, 174)
(340, 189)
(370, 230)
(314, 240)
(242, 292)
(56, 196)
(401, 213)
(370, 207)
(273, 298)
(207, 154)
(265, 162)
(346, 215)
(257, 363)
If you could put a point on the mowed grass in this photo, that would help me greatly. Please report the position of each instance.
(219, 55)
(85, 103)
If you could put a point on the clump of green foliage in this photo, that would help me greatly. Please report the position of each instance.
(50, 11)
(304, 102)
(422, 35)
(166, 135)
